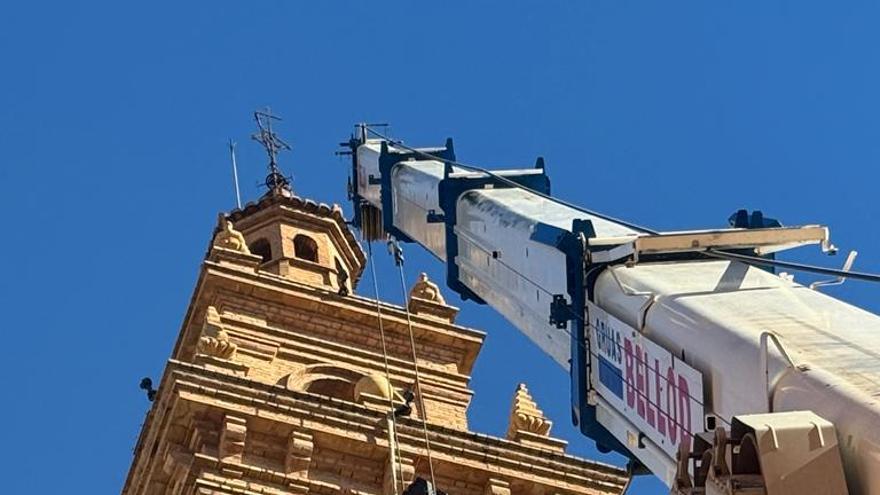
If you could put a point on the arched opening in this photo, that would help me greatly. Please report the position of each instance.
(332, 387)
(261, 248)
(305, 248)
(341, 278)
(325, 379)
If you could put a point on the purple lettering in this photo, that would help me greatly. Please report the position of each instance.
(640, 382)
(628, 359)
(672, 411)
(661, 418)
(684, 409)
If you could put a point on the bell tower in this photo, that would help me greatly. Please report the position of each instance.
(301, 240)
(284, 381)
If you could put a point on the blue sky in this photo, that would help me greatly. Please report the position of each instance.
(114, 118)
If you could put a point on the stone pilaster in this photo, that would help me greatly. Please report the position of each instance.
(300, 446)
(232, 438)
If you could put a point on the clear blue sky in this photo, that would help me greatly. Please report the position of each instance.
(113, 165)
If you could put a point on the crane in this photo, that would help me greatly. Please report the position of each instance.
(686, 354)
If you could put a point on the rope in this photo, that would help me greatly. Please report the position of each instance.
(398, 260)
(387, 369)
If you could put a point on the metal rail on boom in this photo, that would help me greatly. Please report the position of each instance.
(716, 375)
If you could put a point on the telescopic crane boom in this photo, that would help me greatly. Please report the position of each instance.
(716, 375)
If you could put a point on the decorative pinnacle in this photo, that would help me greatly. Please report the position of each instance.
(276, 182)
(525, 415)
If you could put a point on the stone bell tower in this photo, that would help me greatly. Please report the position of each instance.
(283, 380)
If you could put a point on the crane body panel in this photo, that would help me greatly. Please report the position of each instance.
(715, 313)
(367, 173)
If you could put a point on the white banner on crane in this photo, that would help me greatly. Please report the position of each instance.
(659, 393)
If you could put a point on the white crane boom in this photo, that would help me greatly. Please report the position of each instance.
(703, 370)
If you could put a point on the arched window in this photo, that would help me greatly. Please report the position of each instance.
(304, 247)
(261, 248)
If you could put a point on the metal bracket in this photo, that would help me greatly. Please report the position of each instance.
(765, 362)
(847, 265)
(434, 217)
(395, 250)
(560, 311)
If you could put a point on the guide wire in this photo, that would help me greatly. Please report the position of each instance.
(398, 260)
(755, 260)
(387, 371)
(509, 182)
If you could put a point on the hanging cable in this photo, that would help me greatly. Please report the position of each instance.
(509, 182)
(755, 260)
(398, 260)
(393, 437)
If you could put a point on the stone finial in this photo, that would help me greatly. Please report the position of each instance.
(214, 341)
(425, 298)
(525, 415)
(426, 290)
(229, 238)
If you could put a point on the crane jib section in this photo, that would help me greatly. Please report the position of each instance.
(663, 343)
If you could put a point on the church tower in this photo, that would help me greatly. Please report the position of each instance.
(284, 380)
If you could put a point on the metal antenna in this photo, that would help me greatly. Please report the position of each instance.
(234, 173)
(275, 181)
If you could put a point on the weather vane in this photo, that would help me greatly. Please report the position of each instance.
(275, 181)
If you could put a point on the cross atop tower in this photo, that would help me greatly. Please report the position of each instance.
(275, 181)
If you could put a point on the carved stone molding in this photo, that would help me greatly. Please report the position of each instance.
(214, 341)
(495, 486)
